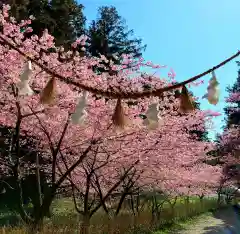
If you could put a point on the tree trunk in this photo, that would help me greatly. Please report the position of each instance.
(85, 224)
(38, 180)
(172, 210)
(219, 199)
(111, 219)
(35, 227)
(42, 212)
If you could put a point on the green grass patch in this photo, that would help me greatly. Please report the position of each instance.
(66, 220)
(182, 225)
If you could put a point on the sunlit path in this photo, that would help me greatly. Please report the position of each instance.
(222, 222)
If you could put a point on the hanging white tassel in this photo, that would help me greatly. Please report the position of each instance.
(27, 72)
(23, 85)
(3, 191)
(152, 120)
(213, 91)
(79, 116)
(24, 88)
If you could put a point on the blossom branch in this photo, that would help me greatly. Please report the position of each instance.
(116, 95)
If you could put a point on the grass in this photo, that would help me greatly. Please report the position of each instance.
(183, 224)
(66, 220)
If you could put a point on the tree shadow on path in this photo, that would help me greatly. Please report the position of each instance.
(230, 218)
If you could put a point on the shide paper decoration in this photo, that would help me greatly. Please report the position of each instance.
(127, 95)
(118, 117)
(79, 116)
(49, 92)
(23, 85)
(152, 117)
(213, 91)
(186, 101)
(119, 120)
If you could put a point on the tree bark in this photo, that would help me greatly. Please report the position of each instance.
(85, 224)
(36, 227)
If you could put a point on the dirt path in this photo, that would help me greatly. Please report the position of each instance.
(222, 222)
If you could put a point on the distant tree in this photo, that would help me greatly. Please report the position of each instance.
(232, 110)
(64, 19)
(109, 36)
(69, 20)
(227, 143)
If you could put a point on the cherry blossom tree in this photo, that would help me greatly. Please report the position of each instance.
(229, 143)
(169, 159)
(84, 147)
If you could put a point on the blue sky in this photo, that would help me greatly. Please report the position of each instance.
(190, 36)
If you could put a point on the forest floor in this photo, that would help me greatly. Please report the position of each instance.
(225, 221)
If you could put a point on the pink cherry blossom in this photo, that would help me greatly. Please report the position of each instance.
(167, 158)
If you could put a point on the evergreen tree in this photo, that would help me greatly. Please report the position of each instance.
(110, 37)
(40, 9)
(64, 19)
(232, 111)
(69, 20)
